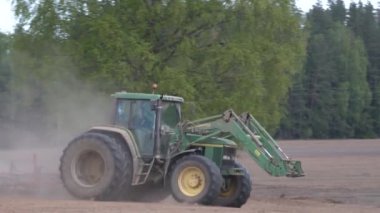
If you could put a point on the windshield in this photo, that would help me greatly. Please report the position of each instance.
(171, 114)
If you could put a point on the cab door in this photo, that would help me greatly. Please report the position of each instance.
(139, 118)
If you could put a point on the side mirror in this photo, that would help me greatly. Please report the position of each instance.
(166, 130)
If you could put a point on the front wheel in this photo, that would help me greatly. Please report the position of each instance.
(236, 189)
(195, 179)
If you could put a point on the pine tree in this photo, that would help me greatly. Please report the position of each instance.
(362, 22)
(333, 93)
(338, 11)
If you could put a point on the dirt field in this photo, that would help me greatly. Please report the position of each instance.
(341, 176)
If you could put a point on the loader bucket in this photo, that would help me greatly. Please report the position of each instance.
(295, 169)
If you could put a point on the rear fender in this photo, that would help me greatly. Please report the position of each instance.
(127, 137)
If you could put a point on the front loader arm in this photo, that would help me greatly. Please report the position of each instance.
(251, 137)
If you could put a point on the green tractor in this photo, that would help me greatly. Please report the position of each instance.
(147, 143)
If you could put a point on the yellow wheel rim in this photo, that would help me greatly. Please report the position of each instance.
(229, 187)
(191, 181)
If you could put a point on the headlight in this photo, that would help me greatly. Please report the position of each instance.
(229, 153)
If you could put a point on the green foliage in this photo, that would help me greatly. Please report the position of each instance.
(5, 73)
(248, 55)
(332, 97)
(362, 21)
(216, 54)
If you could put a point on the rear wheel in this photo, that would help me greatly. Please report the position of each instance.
(195, 179)
(236, 189)
(95, 166)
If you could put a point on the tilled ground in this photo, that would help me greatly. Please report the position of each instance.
(341, 176)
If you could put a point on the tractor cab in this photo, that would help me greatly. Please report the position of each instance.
(148, 117)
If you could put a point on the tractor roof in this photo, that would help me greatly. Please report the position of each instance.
(146, 96)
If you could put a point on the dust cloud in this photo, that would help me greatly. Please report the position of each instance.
(68, 111)
(42, 119)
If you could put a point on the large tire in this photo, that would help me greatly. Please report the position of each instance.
(96, 166)
(236, 189)
(195, 179)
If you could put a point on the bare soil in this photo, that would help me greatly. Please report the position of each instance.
(342, 176)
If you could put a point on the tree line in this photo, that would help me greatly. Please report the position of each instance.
(337, 93)
(302, 76)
